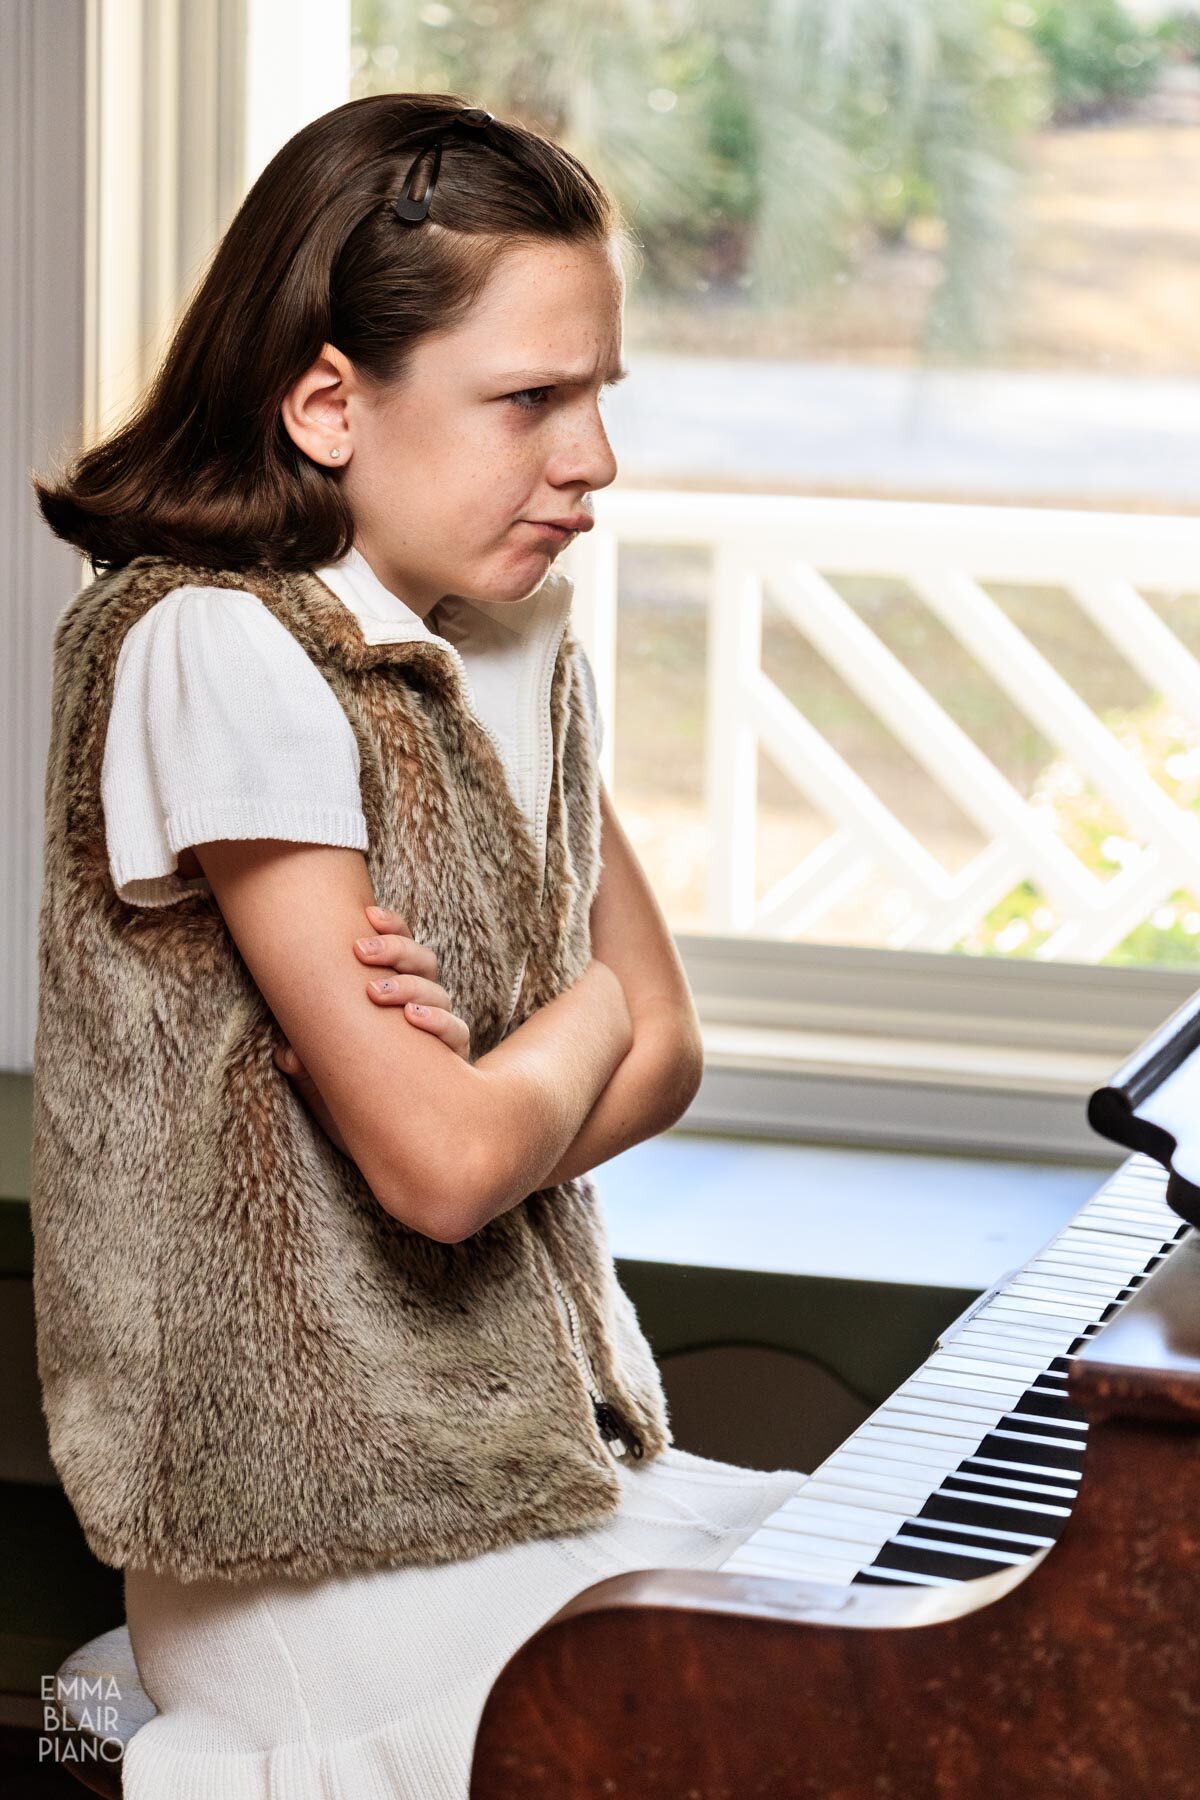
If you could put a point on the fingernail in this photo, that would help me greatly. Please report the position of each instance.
(413, 1007)
(368, 944)
(379, 987)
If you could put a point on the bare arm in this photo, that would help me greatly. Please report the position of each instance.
(443, 1144)
(656, 1082)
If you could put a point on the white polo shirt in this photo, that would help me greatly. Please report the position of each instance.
(223, 727)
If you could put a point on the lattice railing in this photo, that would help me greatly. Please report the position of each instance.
(790, 551)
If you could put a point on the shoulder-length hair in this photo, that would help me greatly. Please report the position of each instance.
(204, 469)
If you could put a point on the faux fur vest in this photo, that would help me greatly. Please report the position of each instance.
(248, 1367)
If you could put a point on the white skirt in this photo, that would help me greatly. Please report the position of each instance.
(370, 1685)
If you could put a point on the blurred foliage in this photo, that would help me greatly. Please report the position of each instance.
(757, 153)
(1179, 33)
(1098, 54)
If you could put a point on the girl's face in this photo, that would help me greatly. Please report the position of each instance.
(496, 423)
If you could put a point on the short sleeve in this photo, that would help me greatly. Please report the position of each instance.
(589, 692)
(221, 727)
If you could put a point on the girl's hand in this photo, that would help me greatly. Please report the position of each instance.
(406, 968)
(407, 973)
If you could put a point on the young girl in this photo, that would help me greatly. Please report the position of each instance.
(348, 977)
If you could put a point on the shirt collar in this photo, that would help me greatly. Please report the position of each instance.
(384, 618)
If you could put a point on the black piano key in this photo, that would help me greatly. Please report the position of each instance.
(969, 1513)
(963, 1482)
(1050, 1406)
(869, 1578)
(1068, 1434)
(936, 1562)
(1040, 1456)
(949, 1533)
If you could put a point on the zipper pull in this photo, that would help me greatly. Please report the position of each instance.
(614, 1430)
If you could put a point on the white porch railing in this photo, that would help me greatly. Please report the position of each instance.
(944, 553)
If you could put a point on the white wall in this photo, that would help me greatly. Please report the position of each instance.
(42, 298)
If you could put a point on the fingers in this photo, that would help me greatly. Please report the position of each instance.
(381, 919)
(398, 951)
(441, 1023)
(393, 989)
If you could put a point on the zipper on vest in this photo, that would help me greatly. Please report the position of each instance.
(611, 1424)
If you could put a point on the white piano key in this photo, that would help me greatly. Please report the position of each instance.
(994, 1464)
(945, 1547)
(1018, 1312)
(874, 1479)
(839, 1524)
(932, 1428)
(811, 1545)
(1078, 1426)
(907, 1578)
(745, 1562)
(1023, 1542)
(764, 1559)
(984, 1368)
(934, 1452)
(952, 1382)
(977, 1370)
(1055, 1281)
(832, 1492)
(914, 1412)
(1039, 1438)
(1064, 1490)
(1044, 1507)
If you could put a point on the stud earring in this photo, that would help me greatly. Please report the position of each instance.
(335, 453)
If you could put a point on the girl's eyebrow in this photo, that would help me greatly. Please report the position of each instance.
(550, 377)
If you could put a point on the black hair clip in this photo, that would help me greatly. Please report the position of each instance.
(475, 118)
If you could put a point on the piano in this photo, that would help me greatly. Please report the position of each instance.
(990, 1589)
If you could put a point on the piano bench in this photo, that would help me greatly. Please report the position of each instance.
(101, 1703)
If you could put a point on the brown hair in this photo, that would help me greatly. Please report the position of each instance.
(204, 469)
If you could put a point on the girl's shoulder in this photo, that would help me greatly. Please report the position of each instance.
(221, 726)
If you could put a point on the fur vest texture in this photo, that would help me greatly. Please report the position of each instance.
(247, 1366)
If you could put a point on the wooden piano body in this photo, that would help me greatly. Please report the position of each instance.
(1071, 1674)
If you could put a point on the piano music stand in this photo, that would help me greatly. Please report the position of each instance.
(1152, 1104)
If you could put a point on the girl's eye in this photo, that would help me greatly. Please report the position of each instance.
(519, 399)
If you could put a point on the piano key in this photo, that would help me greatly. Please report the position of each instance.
(990, 1508)
(1040, 1338)
(849, 1471)
(929, 1559)
(979, 1537)
(900, 1578)
(769, 1559)
(988, 1364)
(932, 1452)
(929, 1428)
(1016, 1487)
(977, 1390)
(831, 1526)
(1054, 1283)
(948, 1546)
(1012, 1451)
(982, 1378)
(1049, 1323)
(1042, 1402)
(846, 1493)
